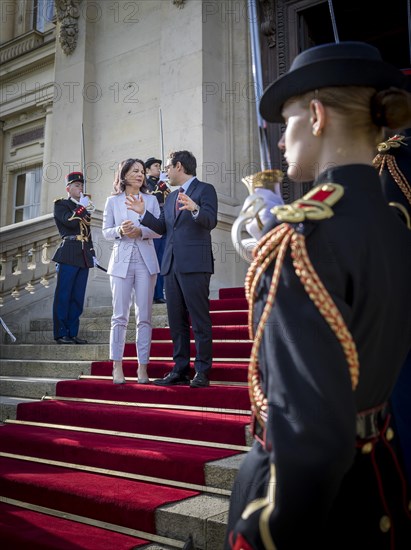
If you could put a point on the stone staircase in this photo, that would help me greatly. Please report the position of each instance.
(30, 370)
(31, 367)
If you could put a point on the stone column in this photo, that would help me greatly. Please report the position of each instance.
(48, 189)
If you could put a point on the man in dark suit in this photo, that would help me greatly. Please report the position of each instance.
(74, 257)
(189, 215)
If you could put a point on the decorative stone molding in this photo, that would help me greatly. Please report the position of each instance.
(20, 46)
(179, 3)
(268, 21)
(23, 118)
(68, 13)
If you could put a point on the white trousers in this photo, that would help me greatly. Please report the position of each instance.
(140, 281)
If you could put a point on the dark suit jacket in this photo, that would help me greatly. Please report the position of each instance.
(188, 241)
(73, 220)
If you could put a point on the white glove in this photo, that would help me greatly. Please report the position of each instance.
(84, 201)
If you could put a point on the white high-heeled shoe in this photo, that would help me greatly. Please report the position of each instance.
(118, 375)
(142, 377)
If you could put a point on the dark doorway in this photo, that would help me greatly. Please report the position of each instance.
(385, 27)
(299, 24)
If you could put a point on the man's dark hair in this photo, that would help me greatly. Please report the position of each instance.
(187, 159)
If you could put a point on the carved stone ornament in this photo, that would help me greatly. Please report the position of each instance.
(68, 13)
(179, 3)
(268, 21)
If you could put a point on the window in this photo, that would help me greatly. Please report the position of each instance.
(27, 194)
(43, 13)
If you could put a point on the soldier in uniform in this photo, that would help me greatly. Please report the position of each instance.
(74, 257)
(160, 190)
(393, 162)
(330, 300)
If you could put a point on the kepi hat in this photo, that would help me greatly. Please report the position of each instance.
(342, 64)
(74, 176)
(151, 161)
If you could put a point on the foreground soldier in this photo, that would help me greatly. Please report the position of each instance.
(330, 303)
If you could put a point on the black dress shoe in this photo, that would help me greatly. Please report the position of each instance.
(173, 379)
(159, 301)
(78, 340)
(200, 380)
(64, 340)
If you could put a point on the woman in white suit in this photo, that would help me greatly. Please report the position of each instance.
(133, 266)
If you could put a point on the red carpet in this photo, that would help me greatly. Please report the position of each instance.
(115, 499)
(203, 426)
(226, 371)
(18, 526)
(233, 397)
(136, 456)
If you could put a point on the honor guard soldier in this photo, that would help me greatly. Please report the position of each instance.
(74, 257)
(160, 190)
(393, 162)
(329, 315)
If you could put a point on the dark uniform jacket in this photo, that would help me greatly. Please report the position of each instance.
(73, 223)
(392, 182)
(324, 493)
(157, 188)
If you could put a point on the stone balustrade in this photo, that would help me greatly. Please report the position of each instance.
(25, 257)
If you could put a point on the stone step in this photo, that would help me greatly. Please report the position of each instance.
(8, 406)
(28, 387)
(222, 473)
(93, 336)
(55, 352)
(96, 323)
(203, 517)
(106, 311)
(48, 369)
(41, 337)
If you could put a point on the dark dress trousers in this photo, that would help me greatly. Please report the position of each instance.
(74, 257)
(319, 483)
(187, 265)
(161, 193)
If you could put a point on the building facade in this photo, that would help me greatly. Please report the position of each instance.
(88, 83)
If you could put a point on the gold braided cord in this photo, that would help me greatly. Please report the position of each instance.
(272, 246)
(325, 304)
(264, 253)
(390, 162)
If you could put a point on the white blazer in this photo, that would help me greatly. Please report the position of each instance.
(115, 212)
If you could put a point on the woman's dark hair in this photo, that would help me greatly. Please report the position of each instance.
(187, 159)
(119, 184)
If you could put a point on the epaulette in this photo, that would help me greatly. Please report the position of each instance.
(393, 142)
(315, 205)
(59, 199)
